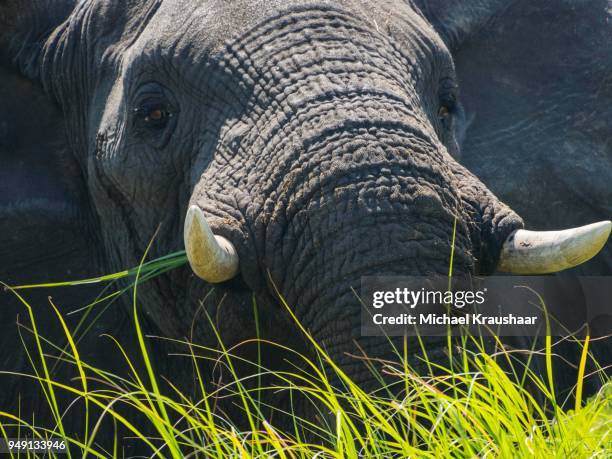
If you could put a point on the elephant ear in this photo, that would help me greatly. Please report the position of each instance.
(41, 188)
(535, 82)
(25, 25)
(456, 20)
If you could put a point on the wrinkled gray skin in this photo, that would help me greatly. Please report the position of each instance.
(310, 133)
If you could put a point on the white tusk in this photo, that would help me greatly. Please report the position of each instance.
(542, 252)
(212, 258)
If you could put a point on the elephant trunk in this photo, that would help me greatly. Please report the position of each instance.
(364, 199)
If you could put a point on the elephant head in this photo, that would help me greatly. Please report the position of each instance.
(291, 146)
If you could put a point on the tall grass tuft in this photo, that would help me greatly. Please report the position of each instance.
(477, 407)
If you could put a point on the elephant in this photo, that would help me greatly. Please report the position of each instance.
(292, 147)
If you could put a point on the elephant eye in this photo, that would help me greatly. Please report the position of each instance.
(447, 101)
(444, 113)
(154, 115)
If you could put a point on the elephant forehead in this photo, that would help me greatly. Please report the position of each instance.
(197, 31)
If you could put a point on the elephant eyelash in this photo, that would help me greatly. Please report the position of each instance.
(443, 113)
(155, 114)
(447, 106)
(154, 122)
(446, 110)
(447, 95)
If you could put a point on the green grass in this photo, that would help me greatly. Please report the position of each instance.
(476, 406)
